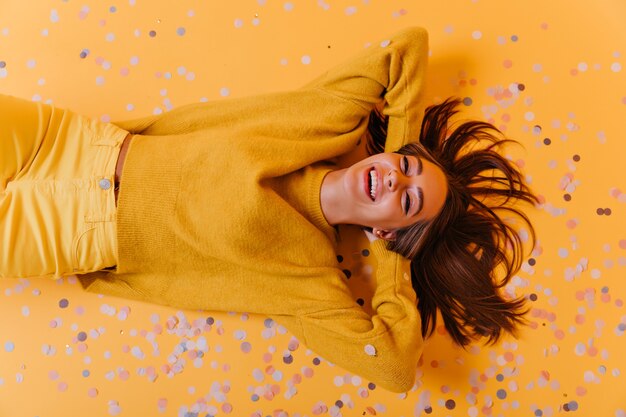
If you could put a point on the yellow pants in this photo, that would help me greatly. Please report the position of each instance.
(57, 202)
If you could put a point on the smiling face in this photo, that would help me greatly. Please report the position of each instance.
(389, 191)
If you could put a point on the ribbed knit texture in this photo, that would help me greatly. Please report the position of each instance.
(218, 211)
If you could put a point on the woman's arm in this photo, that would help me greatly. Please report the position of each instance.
(394, 70)
(337, 102)
(384, 347)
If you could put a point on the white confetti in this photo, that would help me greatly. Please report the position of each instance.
(385, 43)
(137, 352)
(370, 350)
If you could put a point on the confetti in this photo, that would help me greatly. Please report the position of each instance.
(370, 350)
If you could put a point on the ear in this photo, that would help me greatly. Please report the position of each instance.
(384, 233)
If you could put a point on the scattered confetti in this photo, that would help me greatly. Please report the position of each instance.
(77, 344)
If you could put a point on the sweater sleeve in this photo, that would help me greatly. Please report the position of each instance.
(384, 347)
(392, 70)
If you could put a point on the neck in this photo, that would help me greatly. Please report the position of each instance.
(333, 205)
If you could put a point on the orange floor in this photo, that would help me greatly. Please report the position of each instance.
(550, 74)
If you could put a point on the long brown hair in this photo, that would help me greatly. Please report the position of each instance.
(462, 259)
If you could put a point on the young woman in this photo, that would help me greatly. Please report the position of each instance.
(232, 206)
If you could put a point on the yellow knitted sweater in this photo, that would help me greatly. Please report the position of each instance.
(219, 209)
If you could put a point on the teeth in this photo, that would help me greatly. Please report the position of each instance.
(374, 182)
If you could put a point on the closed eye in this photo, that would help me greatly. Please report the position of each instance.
(405, 165)
(407, 204)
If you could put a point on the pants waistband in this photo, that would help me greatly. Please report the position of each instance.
(119, 166)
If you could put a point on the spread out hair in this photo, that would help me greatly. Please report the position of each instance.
(462, 259)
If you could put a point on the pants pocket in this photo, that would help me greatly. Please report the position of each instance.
(91, 251)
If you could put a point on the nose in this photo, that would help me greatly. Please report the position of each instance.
(392, 180)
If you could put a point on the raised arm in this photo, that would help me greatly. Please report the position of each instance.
(392, 70)
(384, 347)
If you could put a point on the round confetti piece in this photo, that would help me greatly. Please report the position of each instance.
(370, 350)
(349, 11)
(277, 376)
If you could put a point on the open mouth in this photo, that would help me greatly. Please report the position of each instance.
(372, 179)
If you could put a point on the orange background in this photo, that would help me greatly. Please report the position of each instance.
(550, 74)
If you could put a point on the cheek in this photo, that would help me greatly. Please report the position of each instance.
(388, 213)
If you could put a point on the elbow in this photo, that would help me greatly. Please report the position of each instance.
(417, 34)
(403, 374)
(402, 384)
